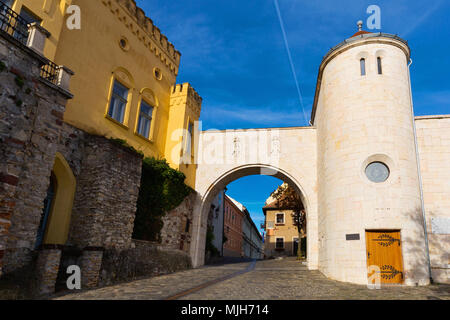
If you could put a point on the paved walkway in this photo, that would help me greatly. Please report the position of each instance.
(285, 279)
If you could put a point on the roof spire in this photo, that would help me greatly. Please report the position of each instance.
(360, 24)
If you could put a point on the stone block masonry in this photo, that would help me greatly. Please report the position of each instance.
(145, 259)
(107, 191)
(90, 264)
(47, 268)
(176, 231)
(30, 125)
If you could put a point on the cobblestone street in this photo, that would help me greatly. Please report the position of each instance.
(266, 280)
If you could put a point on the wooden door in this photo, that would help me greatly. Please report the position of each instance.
(385, 252)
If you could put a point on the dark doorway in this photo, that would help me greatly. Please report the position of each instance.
(46, 211)
(295, 246)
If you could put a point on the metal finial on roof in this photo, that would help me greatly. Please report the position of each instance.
(360, 24)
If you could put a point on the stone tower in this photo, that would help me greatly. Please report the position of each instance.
(367, 169)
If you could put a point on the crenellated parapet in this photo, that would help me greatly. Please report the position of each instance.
(142, 27)
(184, 94)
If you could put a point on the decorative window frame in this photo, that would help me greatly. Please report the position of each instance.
(124, 78)
(148, 96)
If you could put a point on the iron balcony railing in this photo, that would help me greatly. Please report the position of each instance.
(17, 27)
(50, 72)
(13, 24)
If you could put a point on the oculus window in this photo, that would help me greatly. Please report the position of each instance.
(377, 172)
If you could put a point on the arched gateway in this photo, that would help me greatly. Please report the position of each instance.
(285, 153)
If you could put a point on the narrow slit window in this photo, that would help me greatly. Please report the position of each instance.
(380, 70)
(190, 139)
(362, 62)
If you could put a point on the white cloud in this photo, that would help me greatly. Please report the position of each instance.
(420, 20)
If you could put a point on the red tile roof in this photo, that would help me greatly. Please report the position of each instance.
(360, 33)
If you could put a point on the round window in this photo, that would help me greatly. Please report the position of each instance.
(157, 73)
(123, 43)
(377, 172)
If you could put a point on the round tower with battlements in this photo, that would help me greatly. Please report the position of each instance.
(369, 200)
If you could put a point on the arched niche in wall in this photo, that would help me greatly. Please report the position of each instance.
(57, 229)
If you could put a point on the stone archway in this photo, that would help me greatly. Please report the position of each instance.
(294, 163)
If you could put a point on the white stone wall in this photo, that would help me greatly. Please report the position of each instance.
(361, 119)
(433, 134)
(286, 153)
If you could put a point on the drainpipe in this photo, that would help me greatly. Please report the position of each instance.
(419, 174)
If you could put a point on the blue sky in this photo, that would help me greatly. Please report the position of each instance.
(234, 55)
(252, 192)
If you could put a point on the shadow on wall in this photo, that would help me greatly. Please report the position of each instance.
(288, 251)
(439, 253)
(417, 256)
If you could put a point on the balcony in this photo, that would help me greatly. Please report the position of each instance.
(33, 36)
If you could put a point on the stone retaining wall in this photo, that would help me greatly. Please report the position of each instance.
(107, 191)
(30, 124)
(146, 259)
(177, 229)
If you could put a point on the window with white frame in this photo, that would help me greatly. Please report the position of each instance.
(280, 218)
(279, 243)
(145, 119)
(118, 102)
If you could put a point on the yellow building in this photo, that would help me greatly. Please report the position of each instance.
(124, 84)
(282, 237)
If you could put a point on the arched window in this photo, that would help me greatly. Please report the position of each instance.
(120, 95)
(118, 102)
(362, 63)
(380, 70)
